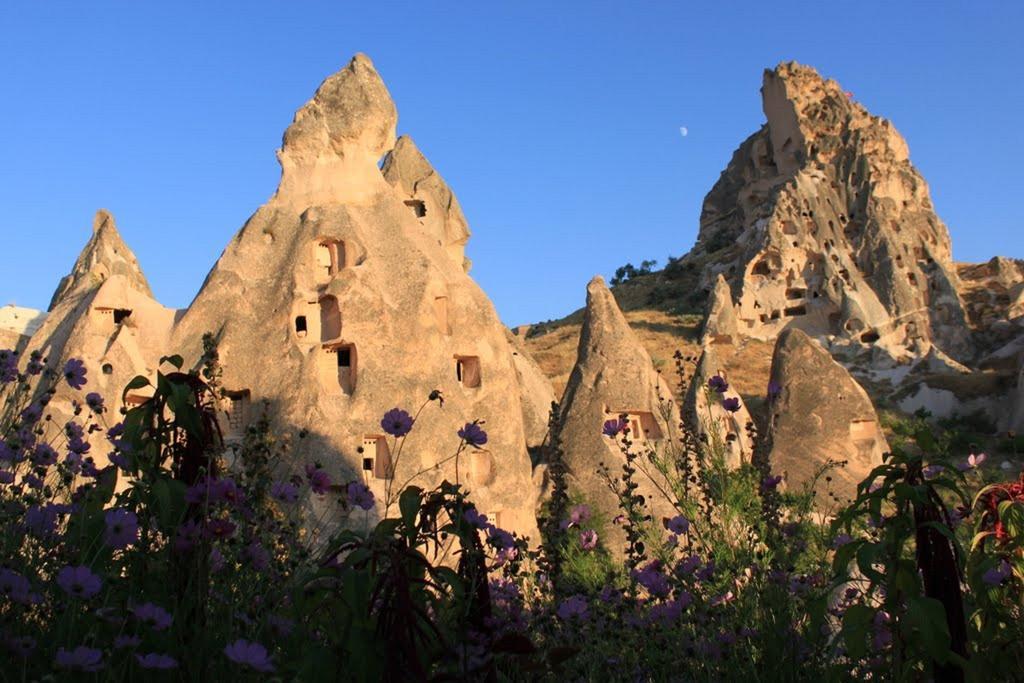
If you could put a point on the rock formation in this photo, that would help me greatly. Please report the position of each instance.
(719, 427)
(821, 222)
(17, 325)
(346, 294)
(613, 375)
(103, 314)
(535, 393)
(720, 324)
(819, 413)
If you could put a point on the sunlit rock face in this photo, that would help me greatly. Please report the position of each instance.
(820, 222)
(103, 313)
(613, 376)
(817, 413)
(346, 295)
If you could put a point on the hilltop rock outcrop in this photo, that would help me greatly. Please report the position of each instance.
(819, 413)
(346, 294)
(821, 222)
(17, 325)
(613, 376)
(720, 323)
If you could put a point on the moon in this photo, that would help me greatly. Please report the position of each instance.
(684, 131)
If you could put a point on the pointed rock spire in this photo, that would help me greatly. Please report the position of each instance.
(720, 326)
(613, 376)
(331, 150)
(104, 255)
(817, 413)
(719, 413)
(428, 197)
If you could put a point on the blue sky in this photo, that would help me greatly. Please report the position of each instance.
(556, 123)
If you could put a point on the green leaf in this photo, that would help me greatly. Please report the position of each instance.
(927, 618)
(856, 624)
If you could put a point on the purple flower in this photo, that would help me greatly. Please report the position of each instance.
(397, 422)
(841, 540)
(35, 363)
(651, 577)
(360, 496)
(82, 658)
(220, 528)
(588, 540)
(500, 538)
(613, 427)
(6, 477)
(996, 575)
(157, 618)
(932, 471)
(677, 525)
(732, 404)
(258, 556)
(187, 536)
(32, 414)
(74, 373)
(14, 586)
(122, 528)
(21, 646)
(473, 435)
(42, 521)
(249, 654)
(156, 661)
(319, 480)
(284, 492)
(770, 483)
(44, 456)
(122, 642)
(8, 454)
(578, 514)
(8, 366)
(32, 481)
(774, 390)
(573, 607)
(79, 582)
(94, 401)
(972, 462)
(475, 518)
(718, 384)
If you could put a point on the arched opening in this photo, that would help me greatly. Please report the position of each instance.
(331, 256)
(377, 457)
(236, 413)
(467, 371)
(300, 326)
(330, 318)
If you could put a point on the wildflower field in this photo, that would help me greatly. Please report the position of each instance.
(184, 561)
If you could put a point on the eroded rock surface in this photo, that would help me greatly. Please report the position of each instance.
(724, 427)
(820, 413)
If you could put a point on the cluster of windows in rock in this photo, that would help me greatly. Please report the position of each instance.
(112, 317)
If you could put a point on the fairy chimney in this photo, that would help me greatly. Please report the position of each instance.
(613, 376)
(103, 313)
(717, 413)
(345, 295)
(821, 222)
(720, 325)
(819, 413)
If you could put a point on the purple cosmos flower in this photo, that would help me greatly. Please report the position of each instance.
(8, 366)
(32, 414)
(284, 492)
(258, 556)
(360, 496)
(774, 390)
(122, 528)
(123, 642)
(841, 540)
(573, 607)
(578, 514)
(35, 363)
(732, 404)
(32, 481)
(996, 575)
(226, 490)
(82, 658)
(588, 540)
(932, 471)
(42, 521)
(613, 427)
(187, 536)
(473, 435)
(651, 577)
(8, 454)
(14, 586)
(668, 612)
(319, 480)
(220, 528)
(94, 401)
(156, 661)
(771, 482)
(718, 384)
(249, 654)
(677, 525)
(79, 582)
(74, 373)
(154, 616)
(500, 538)
(44, 456)
(397, 422)
(475, 518)
(972, 462)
